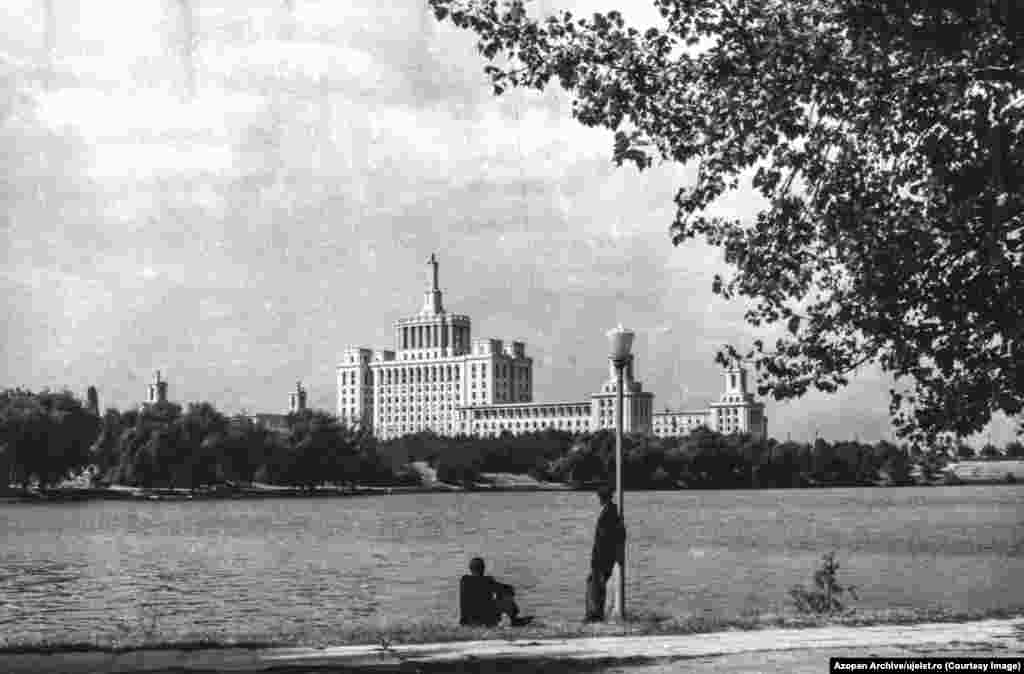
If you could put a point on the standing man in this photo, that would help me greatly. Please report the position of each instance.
(609, 544)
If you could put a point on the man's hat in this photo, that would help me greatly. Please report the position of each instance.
(604, 491)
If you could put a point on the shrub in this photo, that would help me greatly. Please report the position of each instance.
(990, 451)
(827, 596)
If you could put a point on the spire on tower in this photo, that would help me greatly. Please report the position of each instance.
(433, 263)
(432, 300)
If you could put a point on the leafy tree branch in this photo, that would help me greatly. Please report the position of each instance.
(885, 137)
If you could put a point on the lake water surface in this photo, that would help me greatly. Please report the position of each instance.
(294, 567)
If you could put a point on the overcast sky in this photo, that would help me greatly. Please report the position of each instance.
(236, 213)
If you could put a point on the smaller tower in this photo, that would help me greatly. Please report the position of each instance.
(736, 410)
(157, 390)
(736, 379)
(297, 399)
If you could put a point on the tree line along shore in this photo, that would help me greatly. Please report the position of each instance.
(53, 442)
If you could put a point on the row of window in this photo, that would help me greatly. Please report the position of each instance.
(686, 424)
(421, 395)
(427, 355)
(440, 396)
(425, 373)
(414, 419)
(644, 406)
(685, 417)
(431, 394)
(419, 388)
(432, 336)
(498, 426)
(395, 431)
(403, 404)
(414, 409)
(533, 412)
(351, 377)
(431, 373)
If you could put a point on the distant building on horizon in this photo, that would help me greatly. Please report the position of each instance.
(297, 399)
(156, 393)
(736, 411)
(440, 379)
(279, 422)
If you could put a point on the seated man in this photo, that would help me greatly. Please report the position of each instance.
(483, 600)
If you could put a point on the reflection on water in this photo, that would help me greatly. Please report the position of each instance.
(283, 567)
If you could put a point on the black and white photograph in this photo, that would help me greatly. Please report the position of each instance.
(511, 336)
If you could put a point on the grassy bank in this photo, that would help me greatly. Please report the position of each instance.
(440, 632)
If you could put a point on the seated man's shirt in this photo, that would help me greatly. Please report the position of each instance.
(477, 600)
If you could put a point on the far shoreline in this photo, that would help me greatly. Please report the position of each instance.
(65, 495)
(137, 494)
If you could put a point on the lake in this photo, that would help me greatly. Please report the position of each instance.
(294, 567)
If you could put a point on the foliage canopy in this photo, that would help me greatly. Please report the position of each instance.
(885, 137)
(44, 437)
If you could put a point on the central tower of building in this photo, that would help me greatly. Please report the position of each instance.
(433, 332)
(435, 368)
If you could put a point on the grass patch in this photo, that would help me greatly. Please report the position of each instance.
(103, 646)
(443, 632)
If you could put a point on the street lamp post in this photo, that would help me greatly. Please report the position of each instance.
(620, 342)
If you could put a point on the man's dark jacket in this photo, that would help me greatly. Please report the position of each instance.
(609, 536)
(477, 600)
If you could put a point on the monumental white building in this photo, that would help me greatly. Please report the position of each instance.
(439, 378)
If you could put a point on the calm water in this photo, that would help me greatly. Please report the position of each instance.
(306, 567)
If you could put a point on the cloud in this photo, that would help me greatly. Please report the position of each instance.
(146, 115)
(307, 61)
(240, 238)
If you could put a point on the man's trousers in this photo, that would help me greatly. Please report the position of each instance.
(597, 593)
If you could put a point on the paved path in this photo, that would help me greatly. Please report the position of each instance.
(754, 651)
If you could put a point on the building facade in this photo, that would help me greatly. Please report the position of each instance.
(736, 411)
(577, 417)
(439, 378)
